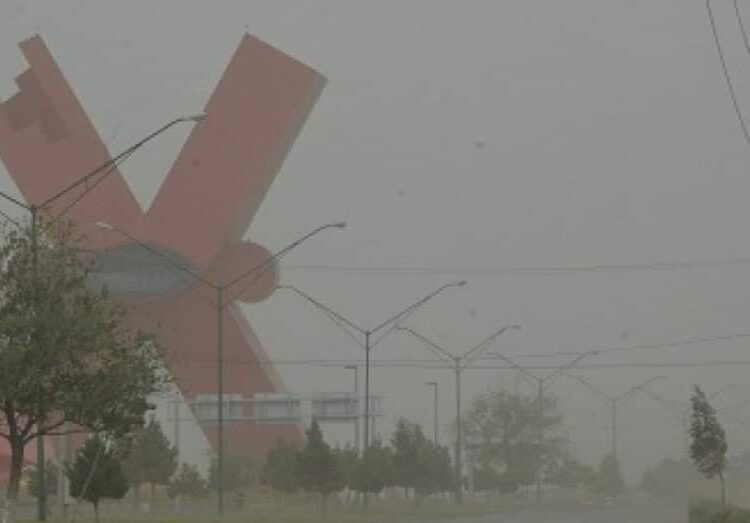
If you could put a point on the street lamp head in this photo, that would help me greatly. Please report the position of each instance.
(459, 283)
(350, 367)
(431, 383)
(338, 225)
(195, 118)
(105, 225)
(515, 327)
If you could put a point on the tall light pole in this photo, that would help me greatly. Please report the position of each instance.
(221, 303)
(459, 364)
(541, 380)
(342, 322)
(356, 403)
(615, 401)
(434, 386)
(96, 176)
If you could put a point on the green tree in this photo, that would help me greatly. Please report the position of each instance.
(281, 469)
(348, 461)
(572, 474)
(319, 470)
(240, 472)
(708, 448)
(418, 463)
(188, 483)
(66, 359)
(436, 473)
(374, 469)
(97, 473)
(609, 480)
(151, 458)
(505, 428)
(405, 442)
(50, 478)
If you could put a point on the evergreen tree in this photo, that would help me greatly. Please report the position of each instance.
(348, 461)
(319, 470)
(97, 473)
(608, 478)
(188, 483)
(281, 469)
(374, 470)
(405, 454)
(240, 472)
(151, 457)
(708, 449)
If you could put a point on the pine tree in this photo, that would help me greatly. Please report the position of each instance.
(708, 449)
(281, 469)
(319, 470)
(609, 478)
(188, 483)
(97, 473)
(374, 470)
(151, 457)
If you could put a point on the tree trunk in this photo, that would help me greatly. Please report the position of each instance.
(96, 512)
(14, 481)
(137, 497)
(153, 490)
(723, 490)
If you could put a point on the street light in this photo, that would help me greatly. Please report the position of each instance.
(434, 386)
(616, 400)
(540, 382)
(33, 209)
(459, 364)
(220, 289)
(356, 403)
(342, 322)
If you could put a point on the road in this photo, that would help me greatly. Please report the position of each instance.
(651, 514)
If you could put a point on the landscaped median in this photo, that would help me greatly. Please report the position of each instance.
(714, 512)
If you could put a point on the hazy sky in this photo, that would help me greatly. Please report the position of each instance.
(469, 135)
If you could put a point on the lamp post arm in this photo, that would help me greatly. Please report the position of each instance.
(106, 164)
(158, 254)
(484, 344)
(323, 308)
(517, 366)
(112, 161)
(592, 387)
(434, 347)
(15, 201)
(570, 364)
(283, 251)
(416, 305)
(641, 387)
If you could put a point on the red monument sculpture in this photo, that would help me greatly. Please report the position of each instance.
(198, 218)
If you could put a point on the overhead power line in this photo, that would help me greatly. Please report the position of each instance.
(538, 269)
(725, 68)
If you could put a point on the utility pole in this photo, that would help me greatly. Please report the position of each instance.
(356, 404)
(459, 433)
(458, 364)
(615, 402)
(434, 386)
(540, 396)
(99, 173)
(221, 303)
(388, 325)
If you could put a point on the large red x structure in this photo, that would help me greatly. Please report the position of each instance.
(199, 216)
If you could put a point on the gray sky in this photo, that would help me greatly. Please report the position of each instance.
(467, 134)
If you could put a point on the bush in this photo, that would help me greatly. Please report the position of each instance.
(714, 512)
